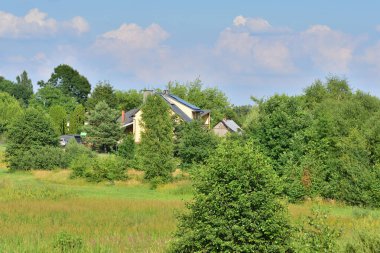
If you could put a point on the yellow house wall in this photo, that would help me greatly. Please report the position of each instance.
(183, 108)
(137, 126)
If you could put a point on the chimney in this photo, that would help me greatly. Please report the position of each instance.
(122, 116)
(166, 92)
(146, 94)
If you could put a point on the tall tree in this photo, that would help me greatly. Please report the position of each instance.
(235, 207)
(77, 118)
(9, 109)
(24, 87)
(49, 95)
(103, 91)
(103, 131)
(59, 116)
(70, 82)
(156, 148)
(128, 100)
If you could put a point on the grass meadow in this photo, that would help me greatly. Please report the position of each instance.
(45, 211)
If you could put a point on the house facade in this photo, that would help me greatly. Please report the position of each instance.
(131, 120)
(226, 126)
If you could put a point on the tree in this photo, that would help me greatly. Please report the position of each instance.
(77, 118)
(194, 143)
(235, 207)
(59, 117)
(103, 92)
(23, 88)
(28, 133)
(48, 96)
(103, 131)
(70, 82)
(156, 148)
(209, 98)
(9, 109)
(128, 100)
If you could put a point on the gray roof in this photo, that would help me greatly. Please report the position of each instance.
(129, 116)
(230, 124)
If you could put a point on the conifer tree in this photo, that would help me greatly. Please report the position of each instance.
(156, 147)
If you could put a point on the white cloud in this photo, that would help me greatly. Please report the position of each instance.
(133, 36)
(37, 24)
(328, 49)
(372, 57)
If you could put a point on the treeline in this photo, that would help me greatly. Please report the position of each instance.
(324, 142)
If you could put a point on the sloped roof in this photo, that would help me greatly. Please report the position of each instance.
(230, 124)
(129, 116)
(191, 106)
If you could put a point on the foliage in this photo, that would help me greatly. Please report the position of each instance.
(74, 150)
(44, 157)
(9, 109)
(103, 91)
(364, 243)
(103, 131)
(209, 98)
(70, 82)
(30, 131)
(235, 207)
(22, 89)
(155, 152)
(77, 118)
(126, 149)
(49, 95)
(194, 143)
(128, 100)
(102, 168)
(66, 242)
(315, 235)
(59, 117)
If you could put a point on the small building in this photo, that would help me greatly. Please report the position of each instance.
(131, 120)
(226, 126)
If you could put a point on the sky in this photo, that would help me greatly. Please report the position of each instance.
(243, 47)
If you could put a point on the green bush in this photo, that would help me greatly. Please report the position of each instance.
(315, 235)
(102, 168)
(46, 157)
(73, 150)
(235, 207)
(364, 243)
(66, 242)
(126, 149)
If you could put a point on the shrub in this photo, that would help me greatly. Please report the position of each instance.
(126, 149)
(364, 243)
(99, 169)
(66, 242)
(315, 235)
(73, 150)
(38, 158)
(235, 207)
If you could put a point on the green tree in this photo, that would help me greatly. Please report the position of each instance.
(70, 82)
(208, 98)
(156, 148)
(9, 109)
(23, 88)
(77, 118)
(235, 207)
(48, 96)
(103, 91)
(128, 100)
(103, 131)
(59, 116)
(30, 131)
(194, 143)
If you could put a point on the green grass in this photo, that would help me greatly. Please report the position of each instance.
(42, 211)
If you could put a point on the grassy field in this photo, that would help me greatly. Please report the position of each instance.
(45, 211)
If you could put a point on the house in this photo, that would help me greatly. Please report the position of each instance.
(131, 120)
(226, 126)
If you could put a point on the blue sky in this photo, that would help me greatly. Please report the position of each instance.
(243, 47)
